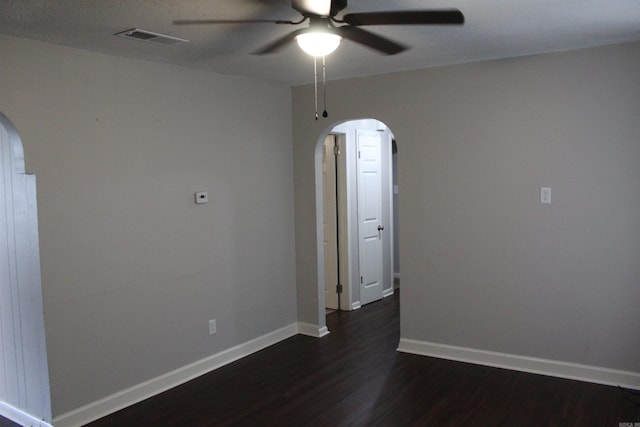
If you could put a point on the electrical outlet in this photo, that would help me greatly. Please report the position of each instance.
(212, 326)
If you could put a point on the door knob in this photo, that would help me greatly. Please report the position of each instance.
(380, 227)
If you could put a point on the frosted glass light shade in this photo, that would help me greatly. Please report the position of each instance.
(318, 44)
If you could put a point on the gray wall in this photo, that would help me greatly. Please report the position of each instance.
(132, 269)
(484, 264)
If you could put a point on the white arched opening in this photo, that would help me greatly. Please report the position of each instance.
(346, 135)
(24, 375)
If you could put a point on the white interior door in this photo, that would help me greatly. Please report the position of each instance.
(330, 223)
(370, 227)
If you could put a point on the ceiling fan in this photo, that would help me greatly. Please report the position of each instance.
(325, 30)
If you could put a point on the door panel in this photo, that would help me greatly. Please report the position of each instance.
(370, 226)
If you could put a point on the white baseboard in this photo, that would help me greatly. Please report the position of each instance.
(312, 330)
(21, 417)
(356, 305)
(387, 292)
(554, 368)
(142, 391)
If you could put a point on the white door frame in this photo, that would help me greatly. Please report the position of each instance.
(330, 221)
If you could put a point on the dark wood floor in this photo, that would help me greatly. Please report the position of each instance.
(6, 423)
(355, 377)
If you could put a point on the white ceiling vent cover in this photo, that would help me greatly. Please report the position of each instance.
(149, 36)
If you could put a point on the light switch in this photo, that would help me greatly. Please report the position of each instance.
(545, 195)
(202, 197)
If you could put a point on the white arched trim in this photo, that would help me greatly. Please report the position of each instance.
(24, 376)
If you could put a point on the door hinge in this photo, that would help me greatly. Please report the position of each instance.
(358, 153)
(361, 280)
(336, 150)
(338, 288)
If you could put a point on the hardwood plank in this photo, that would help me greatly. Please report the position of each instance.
(7, 423)
(355, 377)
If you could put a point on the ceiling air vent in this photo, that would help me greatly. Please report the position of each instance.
(149, 36)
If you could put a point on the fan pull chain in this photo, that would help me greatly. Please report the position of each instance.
(315, 84)
(324, 88)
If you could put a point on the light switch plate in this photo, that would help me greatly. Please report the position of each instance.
(545, 195)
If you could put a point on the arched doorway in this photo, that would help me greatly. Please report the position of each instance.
(355, 157)
(24, 376)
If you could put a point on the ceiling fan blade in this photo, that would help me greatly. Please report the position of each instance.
(408, 17)
(278, 44)
(312, 7)
(229, 21)
(337, 6)
(371, 40)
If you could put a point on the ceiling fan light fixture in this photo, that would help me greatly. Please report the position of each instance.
(318, 43)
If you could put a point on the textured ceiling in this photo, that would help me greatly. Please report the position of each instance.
(493, 29)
